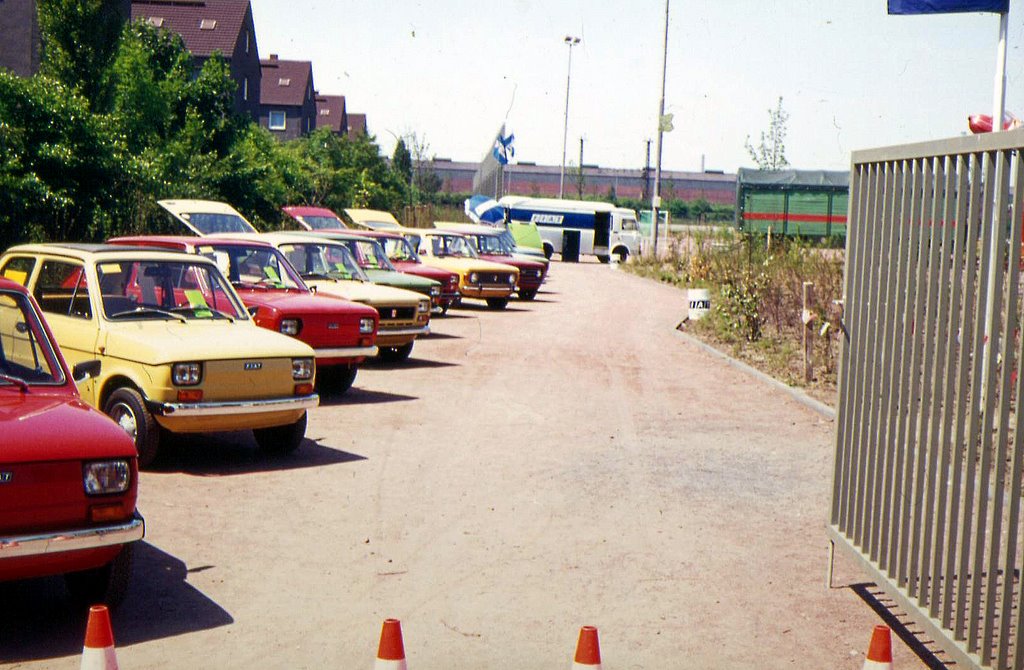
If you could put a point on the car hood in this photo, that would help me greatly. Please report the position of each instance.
(163, 342)
(466, 265)
(421, 270)
(399, 279)
(41, 426)
(522, 264)
(292, 302)
(366, 292)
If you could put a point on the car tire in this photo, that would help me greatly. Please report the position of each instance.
(337, 380)
(106, 584)
(528, 295)
(622, 255)
(603, 259)
(281, 440)
(549, 251)
(395, 354)
(128, 410)
(497, 303)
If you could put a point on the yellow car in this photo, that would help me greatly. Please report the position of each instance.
(329, 267)
(178, 351)
(478, 278)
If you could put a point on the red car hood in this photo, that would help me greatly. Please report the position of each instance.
(39, 426)
(421, 270)
(514, 262)
(294, 302)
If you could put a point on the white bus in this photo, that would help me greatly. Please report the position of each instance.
(595, 228)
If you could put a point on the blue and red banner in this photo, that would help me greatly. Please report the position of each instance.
(947, 6)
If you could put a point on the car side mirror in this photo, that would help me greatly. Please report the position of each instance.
(312, 289)
(86, 370)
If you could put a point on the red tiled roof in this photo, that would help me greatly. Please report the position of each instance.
(356, 124)
(330, 112)
(284, 82)
(205, 25)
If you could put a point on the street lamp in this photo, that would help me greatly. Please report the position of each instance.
(570, 41)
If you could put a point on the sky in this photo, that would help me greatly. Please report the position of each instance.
(450, 72)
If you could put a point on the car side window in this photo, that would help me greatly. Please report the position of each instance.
(19, 269)
(61, 289)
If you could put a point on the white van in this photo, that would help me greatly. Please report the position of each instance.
(598, 228)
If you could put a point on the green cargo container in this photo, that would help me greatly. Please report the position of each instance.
(808, 203)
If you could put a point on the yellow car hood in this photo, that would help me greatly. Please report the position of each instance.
(466, 265)
(162, 342)
(367, 292)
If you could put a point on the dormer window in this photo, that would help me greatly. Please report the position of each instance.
(284, 81)
(156, 21)
(325, 112)
(207, 24)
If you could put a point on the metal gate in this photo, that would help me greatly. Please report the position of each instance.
(928, 461)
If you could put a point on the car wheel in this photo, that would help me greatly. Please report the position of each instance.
(497, 303)
(337, 380)
(622, 255)
(281, 439)
(395, 354)
(106, 584)
(603, 259)
(126, 407)
(527, 295)
(548, 251)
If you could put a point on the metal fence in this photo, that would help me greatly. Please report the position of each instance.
(928, 461)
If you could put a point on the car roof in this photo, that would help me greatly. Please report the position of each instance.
(467, 228)
(303, 210)
(86, 251)
(192, 240)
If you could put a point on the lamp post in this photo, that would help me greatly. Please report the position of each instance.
(570, 41)
(656, 198)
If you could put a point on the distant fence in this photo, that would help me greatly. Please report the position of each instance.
(928, 461)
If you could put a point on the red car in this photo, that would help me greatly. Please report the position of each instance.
(399, 251)
(68, 474)
(342, 333)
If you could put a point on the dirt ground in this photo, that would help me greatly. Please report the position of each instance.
(570, 461)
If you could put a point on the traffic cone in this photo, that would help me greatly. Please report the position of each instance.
(391, 651)
(588, 651)
(880, 650)
(98, 652)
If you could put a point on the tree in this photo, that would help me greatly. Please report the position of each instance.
(401, 161)
(770, 153)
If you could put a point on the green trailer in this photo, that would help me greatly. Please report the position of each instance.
(806, 203)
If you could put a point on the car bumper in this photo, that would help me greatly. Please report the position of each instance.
(344, 352)
(502, 291)
(234, 407)
(17, 546)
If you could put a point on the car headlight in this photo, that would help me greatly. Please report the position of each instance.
(512, 279)
(365, 325)
(435, 290)
(103, 477)
(424, 306)
(291, 326)
(302, 368)
(187, 374)
(473, 277)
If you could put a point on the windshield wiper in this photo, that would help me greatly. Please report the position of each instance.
(17, 381)
(149, 310)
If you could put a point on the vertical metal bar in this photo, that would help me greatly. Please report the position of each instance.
(1011, 586)
(915, 377)
(941, 386)
(924, 519)
(995, 453)
(905, 327)
(975, 429)
(955, 394)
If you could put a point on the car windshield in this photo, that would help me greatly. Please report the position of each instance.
(317, 260)
(399, 249)
(490, 244)
(508, 243)
(159, 289)
(371, 255)
(379, 225)
(207, 223)
(26, 354)
(451, 245)
(322, 222)
(253, 267)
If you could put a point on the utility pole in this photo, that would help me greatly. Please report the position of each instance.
(656, 199)
(570, 41)
(580, 184)
(647, 174)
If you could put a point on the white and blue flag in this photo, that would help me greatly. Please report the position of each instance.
(504, 149)
(482, 209)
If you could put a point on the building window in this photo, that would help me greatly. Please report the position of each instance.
(245, 89)
(284, 81)
(276, 121)
(156, 21)
(207, 24)
(246, 41)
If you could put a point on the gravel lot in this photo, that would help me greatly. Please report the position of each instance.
(568, 461)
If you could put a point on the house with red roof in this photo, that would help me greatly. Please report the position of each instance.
(331, 113)
(213, 26)
(287, 97)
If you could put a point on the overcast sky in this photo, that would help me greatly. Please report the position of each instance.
(851, 77)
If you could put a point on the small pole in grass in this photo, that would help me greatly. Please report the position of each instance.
(807, 317)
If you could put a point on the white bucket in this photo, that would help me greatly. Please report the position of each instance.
(700, 302)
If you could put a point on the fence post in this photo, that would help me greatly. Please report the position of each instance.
(808, 318)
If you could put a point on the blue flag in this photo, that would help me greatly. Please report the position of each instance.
(503, 150)
(947, 6)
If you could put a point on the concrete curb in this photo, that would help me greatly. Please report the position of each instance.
(797, 394)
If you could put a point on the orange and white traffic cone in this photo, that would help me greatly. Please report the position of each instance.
(391, 651)
(880, 650)
(588, 651)
(98, 652)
